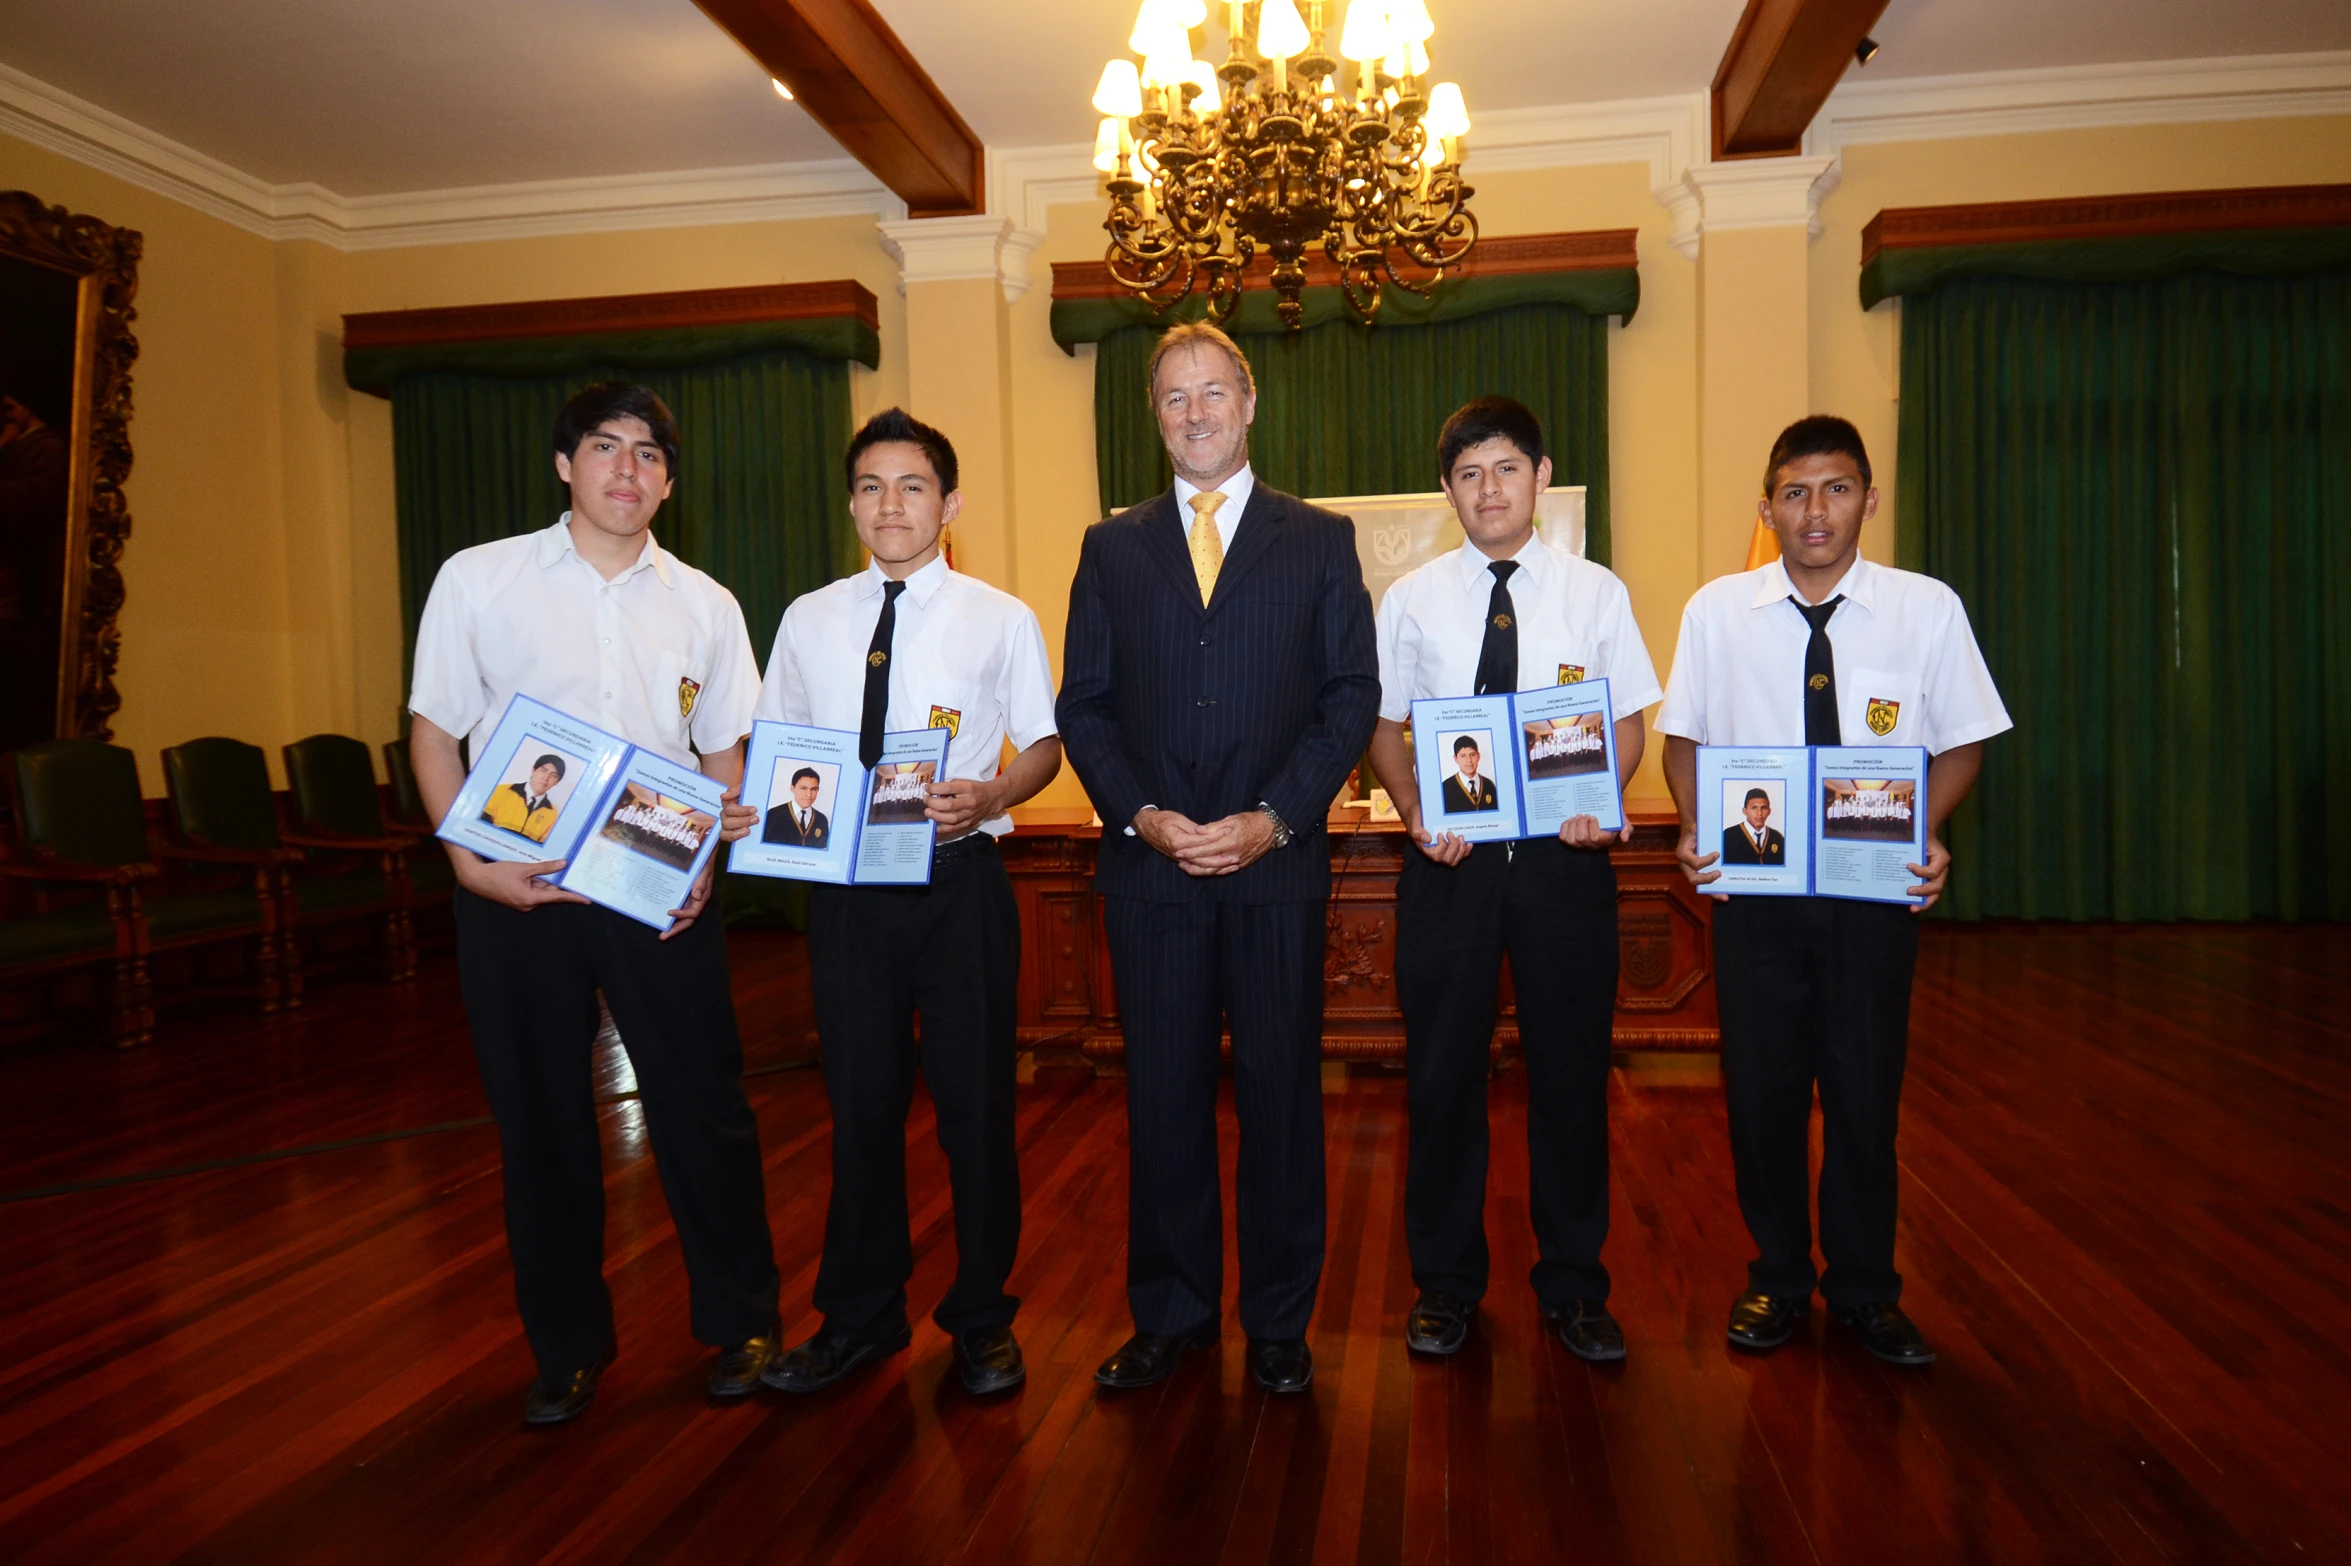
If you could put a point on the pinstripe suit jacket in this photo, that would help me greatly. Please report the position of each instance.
(1269, 692)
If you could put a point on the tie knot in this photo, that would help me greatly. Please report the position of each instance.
(1816, 615)
(890, 592)
(1204, 504)
(1503, 570)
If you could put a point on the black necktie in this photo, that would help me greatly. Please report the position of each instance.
(877, 679)
(1820, 675)
(1498, 658)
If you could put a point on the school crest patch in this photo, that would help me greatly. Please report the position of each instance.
(688, 692)
(1881, 716)
(949, 719)
(1571, 674)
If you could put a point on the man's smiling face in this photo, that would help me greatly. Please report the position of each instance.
(1204, 407)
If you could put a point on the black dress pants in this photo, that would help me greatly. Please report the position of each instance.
(1816, 990)
(1552, 908)
(878, 956)
(1182, 968)
(530, 983)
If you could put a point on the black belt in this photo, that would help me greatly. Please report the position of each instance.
(963, 851)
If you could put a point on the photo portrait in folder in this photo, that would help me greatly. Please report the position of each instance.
(1513, 766)
(829, 819)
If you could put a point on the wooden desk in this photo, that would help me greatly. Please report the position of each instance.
(1069, 1005)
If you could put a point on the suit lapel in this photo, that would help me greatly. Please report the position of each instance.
(1260, 527)
(1163, 541)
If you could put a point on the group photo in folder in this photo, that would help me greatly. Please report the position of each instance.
(1829, 821)
(633, 828)
(1495, 768)
(824, 817)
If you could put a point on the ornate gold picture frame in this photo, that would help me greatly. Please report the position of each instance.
(67, 284)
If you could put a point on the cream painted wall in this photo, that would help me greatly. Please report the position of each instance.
(262, 577)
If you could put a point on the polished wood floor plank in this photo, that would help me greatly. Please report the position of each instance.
(2122, 1226)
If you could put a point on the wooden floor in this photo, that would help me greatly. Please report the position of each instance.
(2124, 1225)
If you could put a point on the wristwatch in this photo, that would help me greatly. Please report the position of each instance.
(1281, 828)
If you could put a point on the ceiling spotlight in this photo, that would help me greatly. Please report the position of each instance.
(1864, 51)
(782, 91)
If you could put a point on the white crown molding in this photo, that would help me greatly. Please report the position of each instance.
(959, 249)
(1750, 193)
(35, 112)
(2157, 92)
(1669, 135)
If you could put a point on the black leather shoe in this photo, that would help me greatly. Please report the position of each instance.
(990, 1360)
(826, 1358)
(562, 1399)
(1765, 1321)
(737, 1372)
(1886, 1332)
(1585, 1326)
(1147, 1358)
(1281, 1364)
(1439, 1324)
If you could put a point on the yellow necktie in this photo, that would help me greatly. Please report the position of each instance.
(1207, 547)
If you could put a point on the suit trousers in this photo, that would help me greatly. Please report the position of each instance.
(1816, 990)
(530, 982)
(879, 956)
(1552, 909)
(1181, 968)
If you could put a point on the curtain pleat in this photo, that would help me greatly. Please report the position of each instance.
(2143, 493)
(1345, 410)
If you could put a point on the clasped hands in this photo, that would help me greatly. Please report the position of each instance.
(1931, 875)
(1450, 848)
(1213, 848)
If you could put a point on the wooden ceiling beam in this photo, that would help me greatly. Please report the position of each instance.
(853, 76)
(1784, 59)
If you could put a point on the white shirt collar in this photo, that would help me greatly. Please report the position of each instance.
(922, 587)
(1533, 560)
(1236, 491)
(555, 542)
(1857, 584)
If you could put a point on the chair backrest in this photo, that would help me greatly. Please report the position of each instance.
(220, 793)
(407, 798)
(333, 780)
(79, 799)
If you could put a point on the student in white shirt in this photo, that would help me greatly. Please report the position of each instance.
(1506, 612)
(595, 619)
(908, 643)
(1822, 647)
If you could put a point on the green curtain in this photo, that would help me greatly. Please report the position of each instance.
(1348, 410)
(2143, 493)
(759, 501)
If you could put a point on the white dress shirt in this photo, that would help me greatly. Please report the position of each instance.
(658, 655)
(1236, 491)
(959, 646)
(1901, 643)
(1575, 622)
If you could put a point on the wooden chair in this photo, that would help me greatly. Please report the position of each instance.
(430, 880)
(224, 825)
(74, 905)
(355, 866)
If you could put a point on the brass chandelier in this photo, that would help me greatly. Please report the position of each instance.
(1273, 151)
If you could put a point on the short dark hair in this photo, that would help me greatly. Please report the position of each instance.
(810, 774)
(549, 760)
(894, 425)
(1466, 742)
(1816, 435)
(591, 406)
(1753, 795)
(1484, 419)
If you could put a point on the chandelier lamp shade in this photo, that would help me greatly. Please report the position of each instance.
(1282, 149)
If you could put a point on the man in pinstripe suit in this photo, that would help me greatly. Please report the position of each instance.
(1219, 681)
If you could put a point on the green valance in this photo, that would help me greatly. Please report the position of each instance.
(1595, 291)
(379, 369)
(2282, 231)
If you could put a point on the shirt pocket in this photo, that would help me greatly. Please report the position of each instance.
(677, 695)
(1879, 707)
(970, 711)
